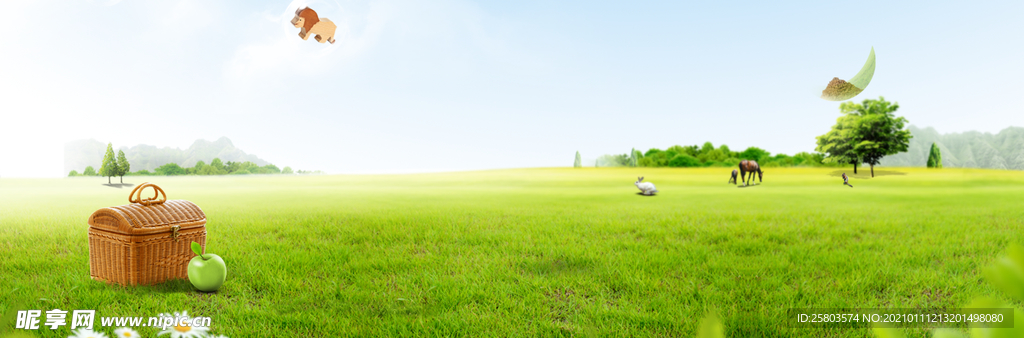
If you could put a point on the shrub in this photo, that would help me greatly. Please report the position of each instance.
(170, 169)
(684, 160)
(271, 169)
(755, 153)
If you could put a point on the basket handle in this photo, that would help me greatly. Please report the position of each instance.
(137, 198)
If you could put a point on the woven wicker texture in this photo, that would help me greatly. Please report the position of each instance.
(146, 242)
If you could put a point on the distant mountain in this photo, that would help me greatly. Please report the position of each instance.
(972, 149)
(82, 153)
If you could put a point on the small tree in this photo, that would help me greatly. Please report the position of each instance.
(754, 153)
(199, 166)
(578, 163)
(72, 173)
(633, 157)
(109, 167)
(217, 164)
(838, 143)
(707, 147)
(123, 168)
(89, 171)
(934, 157)
(270, 169)
(287, 170)
(231, 167)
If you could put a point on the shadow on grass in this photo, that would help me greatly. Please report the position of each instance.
(119, 185)
(865, 173)
(642, 194)
(175, 286)
(747, 186)
(559, 265)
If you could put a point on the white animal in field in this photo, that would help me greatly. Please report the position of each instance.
(647, 188)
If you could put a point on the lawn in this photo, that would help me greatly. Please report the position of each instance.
(532, 252)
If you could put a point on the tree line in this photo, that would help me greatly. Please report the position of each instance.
(865, 133)
(706, 155)
(119, 166)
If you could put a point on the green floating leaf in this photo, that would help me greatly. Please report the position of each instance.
(983, 332)
(1015, 332)
(17, 335)
(198, 250)
(1007, 273)
(883, 331)
(711, 327)
(946, 333)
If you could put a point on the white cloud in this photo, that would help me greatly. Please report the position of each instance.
(105, 3)
(279, 53)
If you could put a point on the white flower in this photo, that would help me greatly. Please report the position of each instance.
(87, 333)
(125, 332)
(183, 331)
(176, 314)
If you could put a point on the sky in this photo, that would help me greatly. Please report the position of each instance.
(449, 85)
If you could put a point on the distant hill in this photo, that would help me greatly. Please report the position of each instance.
(972, 149)
(82, 153)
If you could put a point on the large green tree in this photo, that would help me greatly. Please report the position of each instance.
(838, 143)
(867, 132)
(109, 167)
(878, 132)
(122, 165)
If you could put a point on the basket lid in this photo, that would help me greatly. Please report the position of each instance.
(137, 219)
(148, 215)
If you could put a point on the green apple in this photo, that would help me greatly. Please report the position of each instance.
(206, 271)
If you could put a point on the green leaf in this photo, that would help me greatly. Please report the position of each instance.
(886, 332)
(946, 333)
(198, 250)
(1007, 273)
(990, 303)
(711, 327)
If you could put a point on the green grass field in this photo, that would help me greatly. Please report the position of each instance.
(532, 252)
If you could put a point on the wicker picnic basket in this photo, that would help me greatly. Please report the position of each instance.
(145, 242)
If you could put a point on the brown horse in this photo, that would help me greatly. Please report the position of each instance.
(751, 167)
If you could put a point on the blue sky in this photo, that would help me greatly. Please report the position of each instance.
(415, 86)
